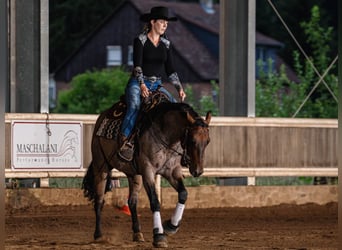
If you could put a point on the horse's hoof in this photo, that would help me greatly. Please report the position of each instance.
(97, 235)
(102, 240)
(159, 241)
(170, 229)
(138, 237)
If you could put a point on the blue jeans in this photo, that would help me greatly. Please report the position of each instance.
(133, 102)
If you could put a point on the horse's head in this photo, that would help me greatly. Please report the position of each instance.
(195, 141)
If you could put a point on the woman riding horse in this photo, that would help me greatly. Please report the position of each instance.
(152, 55)
(173, 136)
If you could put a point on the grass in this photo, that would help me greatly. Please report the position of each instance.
(202, 181)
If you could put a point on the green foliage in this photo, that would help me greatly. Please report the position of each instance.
(92, 92)
(277, 96)
(190, 97)
(287, 181)
(65, 182)
(206, 103)
(291, 11)
(192, 182)
(322, 103)
(319, 38)
(283, 181)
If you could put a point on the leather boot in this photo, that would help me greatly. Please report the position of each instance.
(126, 149)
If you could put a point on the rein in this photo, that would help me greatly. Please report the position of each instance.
(185, 160)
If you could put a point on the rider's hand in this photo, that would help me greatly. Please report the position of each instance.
(182, 95)
(144, 90)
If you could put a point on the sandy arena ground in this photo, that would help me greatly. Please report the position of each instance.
(307, 226)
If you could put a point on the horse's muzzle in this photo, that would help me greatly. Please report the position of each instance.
(196, 173)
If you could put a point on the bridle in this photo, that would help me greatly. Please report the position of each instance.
(185, 158)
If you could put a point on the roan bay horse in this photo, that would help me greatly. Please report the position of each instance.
(173, 136)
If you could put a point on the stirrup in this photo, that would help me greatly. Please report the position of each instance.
(126, 151)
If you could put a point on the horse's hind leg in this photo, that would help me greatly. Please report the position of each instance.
(100, 185)
(135, 184)
(94, 184)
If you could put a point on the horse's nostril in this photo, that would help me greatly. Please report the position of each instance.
(196, 173)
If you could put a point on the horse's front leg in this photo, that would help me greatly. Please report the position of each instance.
(159, 238)
(171, 226)
(135, 184)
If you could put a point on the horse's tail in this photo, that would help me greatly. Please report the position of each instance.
(88, 184)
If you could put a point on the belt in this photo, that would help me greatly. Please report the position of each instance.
(152, 78)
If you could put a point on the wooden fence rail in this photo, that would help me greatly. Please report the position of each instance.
(239, 147)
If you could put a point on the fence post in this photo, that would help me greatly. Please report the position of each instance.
(251, 181)
(44, 182)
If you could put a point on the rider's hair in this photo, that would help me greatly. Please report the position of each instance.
(147, 27)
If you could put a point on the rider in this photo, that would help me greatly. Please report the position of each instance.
(152, 54)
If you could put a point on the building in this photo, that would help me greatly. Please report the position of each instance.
(195, 38)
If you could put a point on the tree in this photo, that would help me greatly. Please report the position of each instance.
(291, 11)
(277, 96)
(322, 103)
(92, 92)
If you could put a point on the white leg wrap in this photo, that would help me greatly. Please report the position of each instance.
(177, 215)
(157, 222)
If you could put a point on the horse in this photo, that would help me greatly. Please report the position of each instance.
(172, 136)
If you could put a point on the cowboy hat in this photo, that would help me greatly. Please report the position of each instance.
(158, 12)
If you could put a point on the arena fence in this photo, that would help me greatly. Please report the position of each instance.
(239, 147)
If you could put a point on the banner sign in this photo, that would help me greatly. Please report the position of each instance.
(41, 145)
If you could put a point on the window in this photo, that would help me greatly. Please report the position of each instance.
(130, 55)
(114, 56)
(261, 54)
(52, 92)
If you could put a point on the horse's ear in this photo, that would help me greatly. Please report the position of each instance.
(208, 117)
(190, 118)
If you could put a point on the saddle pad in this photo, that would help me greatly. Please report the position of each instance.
(111, 124)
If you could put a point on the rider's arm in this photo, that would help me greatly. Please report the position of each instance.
(137, 60)
(172, 74)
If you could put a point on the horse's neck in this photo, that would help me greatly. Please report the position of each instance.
(172, 127)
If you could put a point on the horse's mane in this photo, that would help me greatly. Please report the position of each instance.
(164, 108)
(178, 106)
